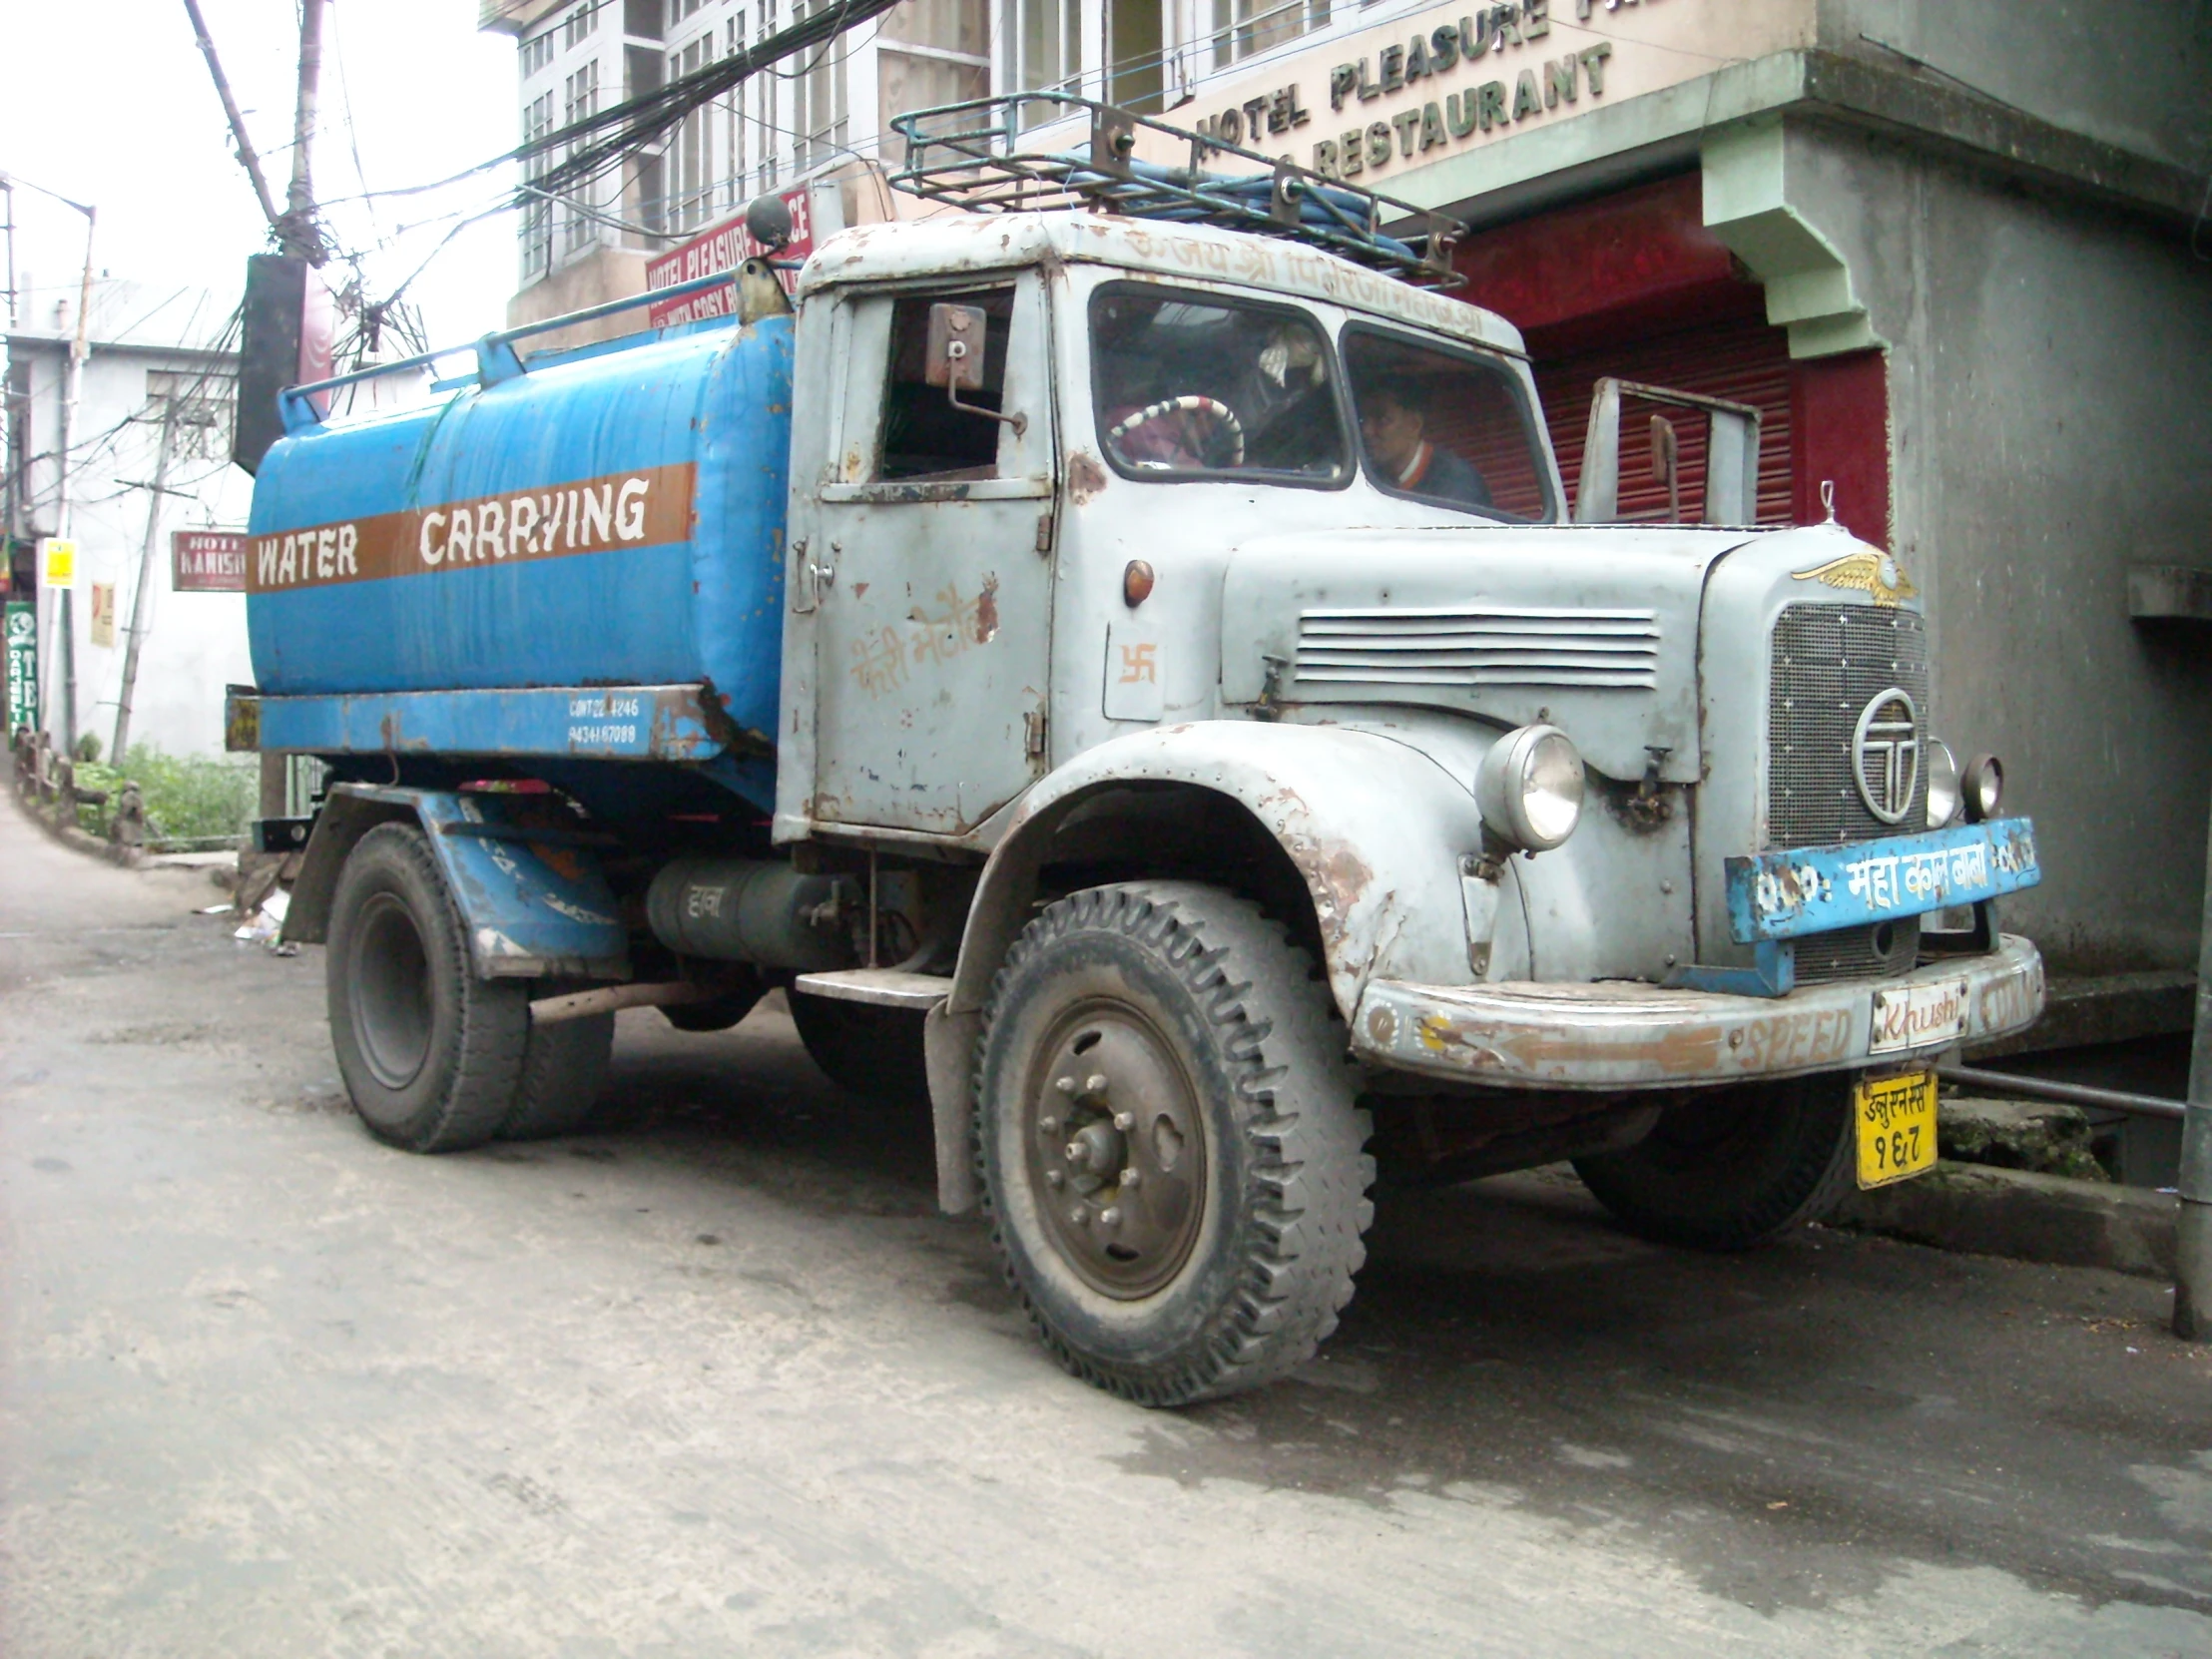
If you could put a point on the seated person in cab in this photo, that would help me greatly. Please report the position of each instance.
(1394, 421)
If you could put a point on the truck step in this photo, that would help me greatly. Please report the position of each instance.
(887, 987)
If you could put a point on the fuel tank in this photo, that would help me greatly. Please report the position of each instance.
(614, 516)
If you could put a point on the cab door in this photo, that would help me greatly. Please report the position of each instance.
(929, 564)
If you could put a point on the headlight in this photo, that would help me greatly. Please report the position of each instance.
(1943, 784)
(1983, 784)
(1530, 788)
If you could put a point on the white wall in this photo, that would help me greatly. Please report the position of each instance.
(195, 642)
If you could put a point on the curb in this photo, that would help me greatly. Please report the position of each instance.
(69, 835)
(1987, 1211)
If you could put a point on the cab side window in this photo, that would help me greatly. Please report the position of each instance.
(923, 435)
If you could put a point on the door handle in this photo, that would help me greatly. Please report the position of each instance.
(810, 576)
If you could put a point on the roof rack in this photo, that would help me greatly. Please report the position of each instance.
(966, 155)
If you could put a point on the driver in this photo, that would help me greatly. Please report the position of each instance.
(1393, 419)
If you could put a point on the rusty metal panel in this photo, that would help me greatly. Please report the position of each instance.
(1626, 1036)
(928, 635)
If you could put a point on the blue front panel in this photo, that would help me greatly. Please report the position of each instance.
(702, 603)
(1815, 890)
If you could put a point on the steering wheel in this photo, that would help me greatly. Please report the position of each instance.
(1190, 403)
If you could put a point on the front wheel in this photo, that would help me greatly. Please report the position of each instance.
(1167, 1141)
(430, 1054)
(1730, 1168)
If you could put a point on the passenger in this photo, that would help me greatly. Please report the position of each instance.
(1393, 420)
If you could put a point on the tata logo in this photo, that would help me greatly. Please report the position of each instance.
(1885, 755)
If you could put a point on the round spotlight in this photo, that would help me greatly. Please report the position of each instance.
(1943, 784)
(1983, 784)
(1530, 788)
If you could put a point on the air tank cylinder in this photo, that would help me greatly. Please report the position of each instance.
(751, 910)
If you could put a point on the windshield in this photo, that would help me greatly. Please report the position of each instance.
(1194, 386)
(1443, 426)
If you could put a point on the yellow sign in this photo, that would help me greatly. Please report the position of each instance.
(103, 614)
(57, 563)
(1896, 1119)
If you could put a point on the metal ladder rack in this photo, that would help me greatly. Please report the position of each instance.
(966, 155)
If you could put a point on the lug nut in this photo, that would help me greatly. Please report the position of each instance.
(1132, 1178)
(1066, 1085)
(1051, 1126)
(1078, 1216)
(1074, 1152)
(1125, 1121)
(1110, 1215)
(1054, 1179)
(1095, 1083)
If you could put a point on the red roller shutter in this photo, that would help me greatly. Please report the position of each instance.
(1742, 359)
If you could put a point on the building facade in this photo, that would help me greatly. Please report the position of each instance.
(149, 455)
(821, 117)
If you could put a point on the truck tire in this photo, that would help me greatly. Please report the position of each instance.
(867, 1049)
(564, 1066)
(1731, 1167)
(1170, 1032)
(430, 1054)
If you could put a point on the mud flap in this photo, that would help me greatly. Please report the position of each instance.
(948, 1053)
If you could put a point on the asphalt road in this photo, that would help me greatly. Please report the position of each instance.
(723, 1383)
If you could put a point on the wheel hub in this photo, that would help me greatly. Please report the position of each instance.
(1116, 1150)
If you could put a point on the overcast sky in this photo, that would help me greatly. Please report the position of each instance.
(110, 103)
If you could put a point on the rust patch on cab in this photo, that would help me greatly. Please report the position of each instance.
(1086, 477)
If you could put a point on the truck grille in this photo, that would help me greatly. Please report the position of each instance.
(1829, 662)
(1506, 646)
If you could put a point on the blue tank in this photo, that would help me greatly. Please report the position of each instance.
(611, 518)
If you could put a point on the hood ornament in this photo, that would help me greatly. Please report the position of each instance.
(1878, 575)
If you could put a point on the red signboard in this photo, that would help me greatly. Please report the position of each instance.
(723, 248)
(207, 561)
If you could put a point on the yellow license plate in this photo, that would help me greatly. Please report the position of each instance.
(1896, 1127)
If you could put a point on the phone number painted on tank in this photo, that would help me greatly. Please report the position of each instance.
(643, 508)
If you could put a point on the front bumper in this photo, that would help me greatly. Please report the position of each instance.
(1618, 1035)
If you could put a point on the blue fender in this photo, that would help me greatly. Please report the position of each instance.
(533, 900)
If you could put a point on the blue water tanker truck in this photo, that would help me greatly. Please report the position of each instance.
(1119, 661)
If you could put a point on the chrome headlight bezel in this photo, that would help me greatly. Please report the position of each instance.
(1530, 788)
(1982, 788)
(1943, 795)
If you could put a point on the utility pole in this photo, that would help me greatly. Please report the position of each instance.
(73, 374)
(305, 237)
(116, 755)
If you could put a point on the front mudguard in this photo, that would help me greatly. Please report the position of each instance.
(1377, 830)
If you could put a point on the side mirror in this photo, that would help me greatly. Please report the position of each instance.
(1731, 455)
(954, 356)
(767, 221)
(957, 341)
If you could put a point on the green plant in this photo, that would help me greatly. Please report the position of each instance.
(188, 797)
(88, 746)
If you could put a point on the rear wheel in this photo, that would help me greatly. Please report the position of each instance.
(564, 1066)
(1731, 1167)
(430, 1054)
(1167, 1141)
(864, 1047)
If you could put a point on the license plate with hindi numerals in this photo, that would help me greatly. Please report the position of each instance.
(1894, 1119)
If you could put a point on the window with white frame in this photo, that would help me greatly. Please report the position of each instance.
(732, 105)
(766, 113)
(691, 147)
(1245, 28)
(537, 213)
(819, 125)
(1044, 47)
(580, 23)
(580, 99)
(200, 409)
(679, 9)
(537, 53)
(931, 52)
